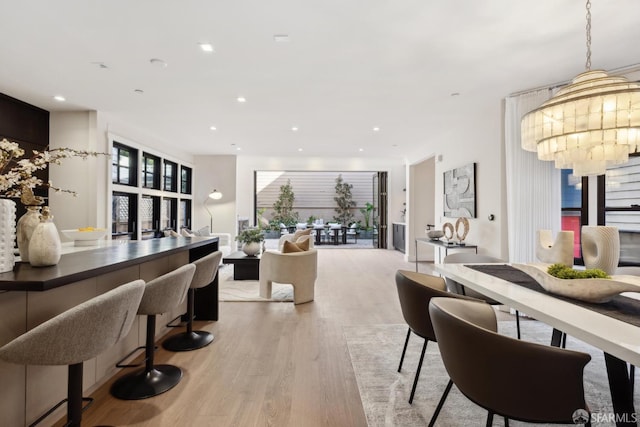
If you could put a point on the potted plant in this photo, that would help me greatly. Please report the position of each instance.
(250, 239)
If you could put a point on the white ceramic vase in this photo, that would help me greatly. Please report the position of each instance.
(601, 247)
(24, 230)
(7, 234)
(558, 251)
(251, 248)
(45, 248)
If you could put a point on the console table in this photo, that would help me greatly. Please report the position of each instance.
(440, 244)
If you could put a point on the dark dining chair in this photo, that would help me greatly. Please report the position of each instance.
(458, 288)
(508, 377)
(415, 290)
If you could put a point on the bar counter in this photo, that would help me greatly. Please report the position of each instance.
(96, 261)
(32, 295)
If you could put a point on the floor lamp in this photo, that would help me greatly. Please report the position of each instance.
(215, 195)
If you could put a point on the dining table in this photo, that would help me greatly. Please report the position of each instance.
(612, 327)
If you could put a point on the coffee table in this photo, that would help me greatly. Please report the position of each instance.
(244, 267)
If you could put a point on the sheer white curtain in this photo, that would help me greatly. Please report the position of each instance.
(533, 186)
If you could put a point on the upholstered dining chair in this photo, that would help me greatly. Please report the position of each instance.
(415, 290)
(455, 287)
(75, 336)
(508, 377)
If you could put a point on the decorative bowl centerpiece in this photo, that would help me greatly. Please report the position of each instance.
(596, 290)
(435, 234)
(86, 236)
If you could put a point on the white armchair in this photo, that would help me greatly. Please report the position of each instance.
(299, 269)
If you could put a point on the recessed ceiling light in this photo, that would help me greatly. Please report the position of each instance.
(238, 149)
(361, 149)
(213, 128)
(138, 91)
(59, 98)
(281, 38)
(206, 47)
(294, 129)
(158, 63)
(299, 149)
(376, 129)
(242, 99)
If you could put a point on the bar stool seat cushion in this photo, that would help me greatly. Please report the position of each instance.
(80, 333)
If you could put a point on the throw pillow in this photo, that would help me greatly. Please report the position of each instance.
(290, 247)
(300, 233)
(303, 243)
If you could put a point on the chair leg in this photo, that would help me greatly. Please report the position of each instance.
(506, 422)
(632, 377)
(404, 350)
(189, 340)
(489, 419)
(74, 395)
(150, 381)
(440, 404)
(415, 380)
(518, 323)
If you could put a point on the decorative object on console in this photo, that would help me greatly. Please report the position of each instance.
(251, 239)
(559, 251)
(435, 234)
(447, 229)
(601, 247)
(464, 223)
(85, 236)
(460, 192)
(589, 290)
(588, 125)
(45, 248)
(7, 234)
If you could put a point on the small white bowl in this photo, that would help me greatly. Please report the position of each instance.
(85, 238)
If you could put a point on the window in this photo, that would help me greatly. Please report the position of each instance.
(573, 215)
(124, 161)
(123, 216)
(150, 171)
(170, 176)
(185, 180)
(185, 213)
(169, 214)
(619, 206)
(149, 216)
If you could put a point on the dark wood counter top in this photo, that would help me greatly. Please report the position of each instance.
(83, 265)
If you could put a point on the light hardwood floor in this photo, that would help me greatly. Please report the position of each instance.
(275, 364)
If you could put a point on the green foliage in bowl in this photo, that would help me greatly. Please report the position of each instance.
(249, 235)
(562, 271)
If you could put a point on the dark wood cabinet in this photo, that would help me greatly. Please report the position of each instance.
(399, 237)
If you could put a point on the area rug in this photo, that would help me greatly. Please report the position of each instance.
(375, 353)
(230, 290)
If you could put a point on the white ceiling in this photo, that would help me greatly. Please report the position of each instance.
(349, 65)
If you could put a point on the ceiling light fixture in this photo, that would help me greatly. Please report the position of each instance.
(241, 99)
(281, 38)
(59, 98)
(158, 63)
(294, 129)
(213, 128)
(299, 149)
(138, 91)
(588, 125)
(361, 149)
(376, 129)
(206, 47)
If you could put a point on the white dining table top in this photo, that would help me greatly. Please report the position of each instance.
(613, 336)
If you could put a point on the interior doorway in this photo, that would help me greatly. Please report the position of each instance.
(421, 207)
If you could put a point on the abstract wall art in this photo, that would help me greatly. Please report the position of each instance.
(460, 192)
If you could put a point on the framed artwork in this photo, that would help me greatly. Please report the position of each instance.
(460, 192)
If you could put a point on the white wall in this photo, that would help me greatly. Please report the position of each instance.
(421, 207)
(478, 138)
(246, 165)
(215, 172)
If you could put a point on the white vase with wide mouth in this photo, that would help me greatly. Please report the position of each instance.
(251, 248)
